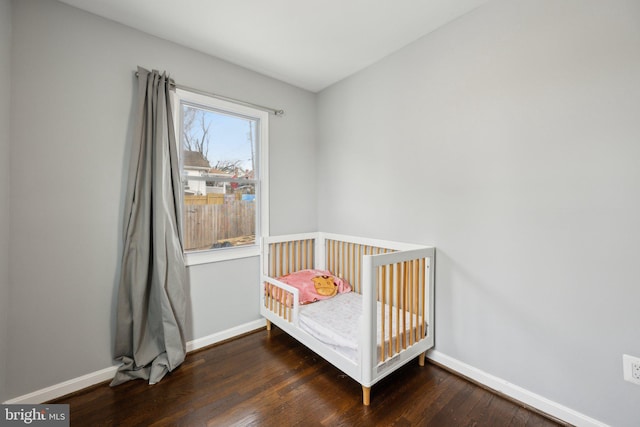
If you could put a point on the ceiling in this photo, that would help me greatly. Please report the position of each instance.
(309, 44)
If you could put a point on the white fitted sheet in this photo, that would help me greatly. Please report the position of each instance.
(336, 322)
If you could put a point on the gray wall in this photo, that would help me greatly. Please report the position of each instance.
(5, 89)
(73, 85)
(509, 140)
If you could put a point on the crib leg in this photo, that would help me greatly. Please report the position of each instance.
(268, 325)
(366, 395)
(421, 358)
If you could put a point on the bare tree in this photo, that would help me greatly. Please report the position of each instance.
(228, 166)
(195, 131)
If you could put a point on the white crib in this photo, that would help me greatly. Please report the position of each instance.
(391, 307)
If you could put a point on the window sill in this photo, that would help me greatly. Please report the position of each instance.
(217, 255)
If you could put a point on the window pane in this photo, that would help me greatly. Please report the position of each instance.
(219, 171)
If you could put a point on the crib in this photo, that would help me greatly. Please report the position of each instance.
(386, 321)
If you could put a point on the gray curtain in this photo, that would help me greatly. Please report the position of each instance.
(151, 299)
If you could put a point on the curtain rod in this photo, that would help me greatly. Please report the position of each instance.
(274, 111)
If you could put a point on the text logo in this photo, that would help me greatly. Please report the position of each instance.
(34, 415)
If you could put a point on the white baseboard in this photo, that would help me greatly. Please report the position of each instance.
(225, 335)
(93, 378)
(513, 391)
(66, 387)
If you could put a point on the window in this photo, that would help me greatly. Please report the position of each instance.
(223, 165)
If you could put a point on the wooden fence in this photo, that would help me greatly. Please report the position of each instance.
(207, 199)
(207, 224)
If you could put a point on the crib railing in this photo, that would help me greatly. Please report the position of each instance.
(403, 294)
(401, 291)
(290, 256)
(344, 259)
(285, 257)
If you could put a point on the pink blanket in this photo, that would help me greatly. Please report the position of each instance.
(314, 285)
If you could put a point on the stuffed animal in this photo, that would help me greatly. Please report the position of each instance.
(325, 286)
(314, 285)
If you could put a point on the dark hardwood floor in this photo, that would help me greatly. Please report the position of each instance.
(269, 379)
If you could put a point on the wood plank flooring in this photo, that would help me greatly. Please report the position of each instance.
(269, 379)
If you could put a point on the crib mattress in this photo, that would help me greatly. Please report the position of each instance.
(336, 322)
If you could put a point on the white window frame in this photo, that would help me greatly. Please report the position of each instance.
(262, 186)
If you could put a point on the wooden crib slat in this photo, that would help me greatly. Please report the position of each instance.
(298, 250)
(273, 298)
(343, 259)
(407, 270)
(418, 302)
(351, 264)
(339, 259)
(407, 278)
(303, 257)
(405, 294)
(336, 256)
(279, 271)
(338, 271)
(416, 290)
(267, 294)
(304, 254)
(400, 304)
(383, 289)
(290, 257)
(287, 259)
(397, 304)
(274, 295)
(424, 296)
(412, 300)
(390, 311)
